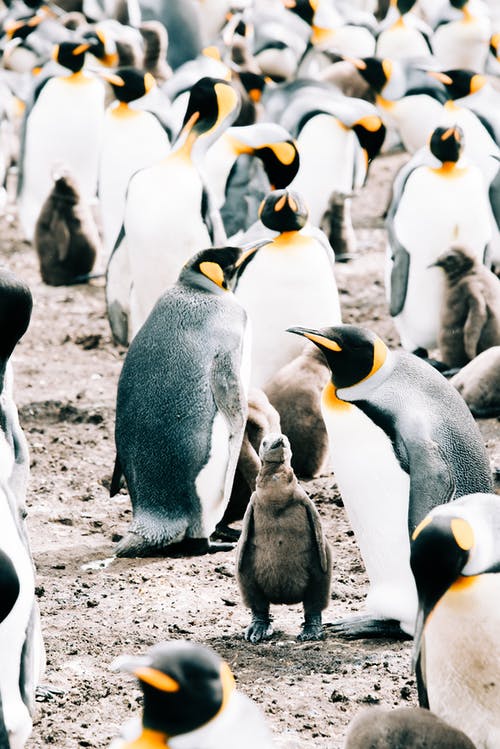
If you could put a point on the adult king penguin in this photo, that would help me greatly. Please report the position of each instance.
(62, 126)
(169, 212)
(455, 557)
(181, 408)
(436, 203)
(401, 441)
(190, 702)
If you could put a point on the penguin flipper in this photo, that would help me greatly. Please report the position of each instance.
(315, 524)
(423, 698)
(476, 318)
(212, 219)
(60, 237)
(118, 288)
(399, 276)
(494, 196)
(116, 479)
(246, 530)
(431, 480)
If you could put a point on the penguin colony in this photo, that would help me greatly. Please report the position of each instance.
(203, 156)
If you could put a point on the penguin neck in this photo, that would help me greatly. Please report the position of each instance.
(383, 367)
(384, 103)
(184, 149)
(78, 77)
(122, 109)
(467, 16)
(286, 239)
(149, 739)
(450, 106)
(448, 169)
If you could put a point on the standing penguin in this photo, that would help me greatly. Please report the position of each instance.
(470, 315)
(190, 702)
(292, 278)
(66, 237)
(455, 558)
(436, 204)
(181, 408)
(283, 556)
(132, 139)
(62, 127)
(401, 441)
(169, 212)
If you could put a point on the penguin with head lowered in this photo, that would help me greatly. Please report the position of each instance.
(401, 441)
(455, 558)
(190, 702)
(181, 408)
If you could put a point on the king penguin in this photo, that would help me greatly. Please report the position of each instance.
(62, 127)
(290, 279)
(170, 212)
(132, 139)
(436, 203)
(455, 558)
(401, 442)
(190, 702)
(181, 408)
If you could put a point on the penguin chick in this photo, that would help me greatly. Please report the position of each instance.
(470, 312)
(403, 728)
(479, 383)
(66, 237)
(261, 420)
(337, 225)
(190, 702)
(295, 392)
(282, 555)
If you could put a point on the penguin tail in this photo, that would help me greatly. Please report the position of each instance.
(116, 479)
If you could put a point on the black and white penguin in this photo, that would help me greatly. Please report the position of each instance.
(181, 408)
(403, 728)
(290, 279)
(402, 33)
(401, 441)
(66, 237)
(455, 558)
(63, 127)
(190, 702)
(437, 202)
(159, 234)
(463, 42)
(132, 139)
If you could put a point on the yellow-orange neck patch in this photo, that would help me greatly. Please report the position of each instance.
(331, 401)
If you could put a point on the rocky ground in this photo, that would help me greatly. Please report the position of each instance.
(66, 370)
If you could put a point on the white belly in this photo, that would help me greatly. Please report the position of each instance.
(414, 117)
(462, 44)
(462, 660)
(401, 42)
(375, 492)
(210, 482)
(281, 288)
(434, 213)
(130, 142)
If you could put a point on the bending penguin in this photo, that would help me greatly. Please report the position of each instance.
(455, 558)
(181, 408)
(401, 441)
(190, 702)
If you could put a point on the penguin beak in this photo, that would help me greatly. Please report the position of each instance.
(112, 78)
(441, 77)
(316, 337)
(247, 253)
(358, 63)
(140, 667)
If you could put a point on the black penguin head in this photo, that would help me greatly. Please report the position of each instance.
(213, 103)
(21, 28)
(404, 6)
(283, 210)
(71, 55)
(280, 161)
(375, 70)
(446, 143)
(456, 262)
(217, 269)
(129, 84)
(459, 83)
(305, 9)
(275, 448)
(459, 4)
(184, 684)
(370, 131)
(353, 354)
(440, 548)
(253, 84)
(65, 188)
(495, 45)
(101, 47)
(16, 304)
(9, 585)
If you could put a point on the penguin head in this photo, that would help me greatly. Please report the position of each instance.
(129, 84)
(459, 83)
(273, 146)
(459, 4)
(456, 262)
(305, 9)
(16, 304)
(102, 47)
(217, 269)
(353, 354)
(185, 685)
(283, 210)
(65, 187)
(440, 549)
(254, 84)
(9, 584)
(404, 6)
(71, 55)
(213, 106)
(275, 448)
(446, 143)
(370, 131)
(376, 71)
(21, 28)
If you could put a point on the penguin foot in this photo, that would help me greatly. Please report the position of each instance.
(45, 694)
(224, 532)
(135, 545)
(365, 627)
(344, 257)
(260, 629)
(311, 632)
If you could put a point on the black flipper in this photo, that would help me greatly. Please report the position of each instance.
(366, 627)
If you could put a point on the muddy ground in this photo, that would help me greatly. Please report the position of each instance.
(67, 369)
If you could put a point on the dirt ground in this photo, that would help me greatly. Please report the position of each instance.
(66, 371)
